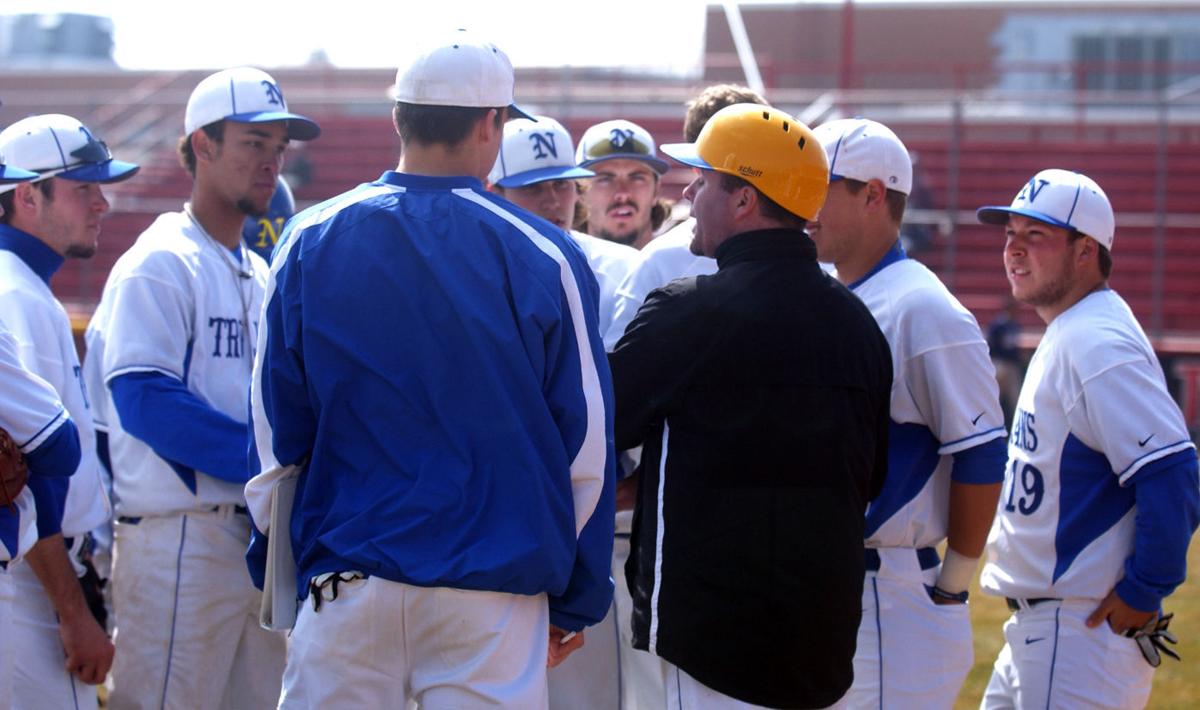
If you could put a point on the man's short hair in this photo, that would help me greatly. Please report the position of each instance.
(1103, 255)
(6, 200)
(896, 201)
(187, 154)
(711, 100)
(428, 124)
(766, 206)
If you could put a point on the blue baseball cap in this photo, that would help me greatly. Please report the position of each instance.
(55, 145)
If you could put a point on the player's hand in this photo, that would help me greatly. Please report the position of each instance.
(560, 649)
(627, 492)
(89, 652)
(1121, 617)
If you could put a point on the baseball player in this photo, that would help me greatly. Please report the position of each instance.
(622, 199)
(45, 222)
(1101, 492)
(536, 170)
(170, 350)
(669, 256)
(760, 395)
(46, 437)
(431, 355)
(945, 439)
(262, 232)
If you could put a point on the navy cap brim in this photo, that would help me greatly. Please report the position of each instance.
(515, 111)
(300, 128)
(998, 215)
(660, 166)
(10, 173)
(106, 172)
(686, 154)
(530, 177)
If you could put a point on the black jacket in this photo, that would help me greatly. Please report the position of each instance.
(761, 396)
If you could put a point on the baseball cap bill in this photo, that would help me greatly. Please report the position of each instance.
(460, 70)
(535, 151)
(55, 145)
(1062, 198)
(244, 95)
(10, 174)
(618, 139)
(864, 150)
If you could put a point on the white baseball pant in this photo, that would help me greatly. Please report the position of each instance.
(382, 644)
(39, 677)
(187, 633)
(911, 652)
(1051, 659)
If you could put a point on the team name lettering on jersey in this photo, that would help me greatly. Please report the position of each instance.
(1024, 436)
(227, 332)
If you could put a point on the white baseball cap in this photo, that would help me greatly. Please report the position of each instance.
(535, 151)
(864, 150)
(1063, 198)
(618, 139)
(460, 70)
(244, 95)
(54, 145)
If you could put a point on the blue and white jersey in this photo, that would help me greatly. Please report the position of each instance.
(664, 259)
(174, 305)
(1094, 414)
(42, 331)
(432, 355)
(945, 399)
(611, 264)
(32, 414)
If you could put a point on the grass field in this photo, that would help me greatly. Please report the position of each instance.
(1176, 684)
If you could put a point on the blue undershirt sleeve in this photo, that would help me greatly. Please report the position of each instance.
(1168, 509)
(180, 427)
(50, 498)
(58, 456)
(981, 464)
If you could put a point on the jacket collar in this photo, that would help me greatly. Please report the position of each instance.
(41, 259)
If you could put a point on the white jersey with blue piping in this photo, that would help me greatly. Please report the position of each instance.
(31, 414)
(945, 399)
(1093, 412)
(174, 305)
(432, 357)
(42, 330)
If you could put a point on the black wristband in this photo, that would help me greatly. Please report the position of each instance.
(936, 593)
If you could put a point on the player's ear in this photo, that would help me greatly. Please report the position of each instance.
(876, 193)
(25, 197)
(202, 145)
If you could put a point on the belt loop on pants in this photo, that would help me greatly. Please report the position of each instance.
(927, 557)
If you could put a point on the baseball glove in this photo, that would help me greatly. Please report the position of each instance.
(1150, 639)
(13, 471)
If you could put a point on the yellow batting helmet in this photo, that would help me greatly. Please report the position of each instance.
(767, 148)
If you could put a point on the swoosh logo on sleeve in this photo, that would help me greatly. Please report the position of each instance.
(1144, 441)
(1029, 640)
(976, 419)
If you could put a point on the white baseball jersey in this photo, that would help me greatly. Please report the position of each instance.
(174, 304)
(42, 331)
(1093, 411)
(664, 259)
(611, 263)
(31, 414)
(944, 399)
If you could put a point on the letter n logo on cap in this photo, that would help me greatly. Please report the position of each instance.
(274, 95)
(618, 136)
(543, 144)
(1030, 193)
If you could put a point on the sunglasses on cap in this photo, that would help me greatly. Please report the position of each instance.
(619, 143)
(94, 151)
